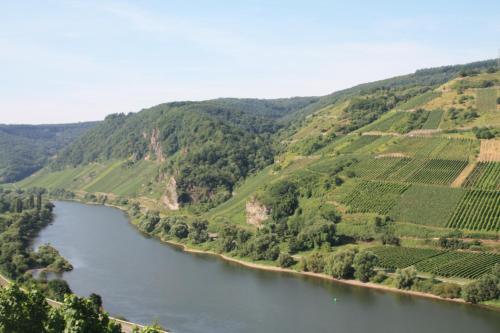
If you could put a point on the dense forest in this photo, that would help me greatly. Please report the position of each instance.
(208, 146)
(27, 148)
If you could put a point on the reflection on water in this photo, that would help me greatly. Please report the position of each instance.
(145, 280)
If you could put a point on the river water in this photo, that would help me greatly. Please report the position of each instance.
(146, 281)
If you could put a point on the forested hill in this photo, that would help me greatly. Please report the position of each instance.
(199, 152)
(208, 146)
(26, 148)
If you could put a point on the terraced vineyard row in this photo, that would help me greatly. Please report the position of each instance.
(375, 197)
(478, 210)
(433, 120)
(486, 175)
(434, 172)
(392, 257)
(466, 265)
(438, 172)
(487, 99)
(434, 148)
(378, 168)
(358, 143)
(469, 265)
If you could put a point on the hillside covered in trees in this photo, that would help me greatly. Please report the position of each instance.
(25, 149)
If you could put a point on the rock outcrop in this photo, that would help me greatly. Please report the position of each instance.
(256, 212)
(170, 198)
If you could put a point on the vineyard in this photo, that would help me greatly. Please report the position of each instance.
(478, 210)
(375, 197)
(419, 100)
(457, 149)
(468, 265)
(378, 168)
(423, 171)
(435, 147)
(433, 120)
(486, 175)
(359, 143)
(388, 123)
(427, 205)
(392, 257)
(415, 146)
(487, 100)
(438, 172)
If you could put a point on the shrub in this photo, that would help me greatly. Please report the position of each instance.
(285, 260)
(388, 238)
(406, 277)
(379, 277)
(447, 290)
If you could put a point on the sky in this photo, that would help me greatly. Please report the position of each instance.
(79, 60)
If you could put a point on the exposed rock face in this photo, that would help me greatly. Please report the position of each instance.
(156, 145)
(256, 212)
(170, 198)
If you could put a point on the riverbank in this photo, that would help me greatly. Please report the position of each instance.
(356, 283)
(266, 267)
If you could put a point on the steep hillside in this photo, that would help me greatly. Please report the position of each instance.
(403, 172)
(201, 152)
(25, 149)
(203, 148)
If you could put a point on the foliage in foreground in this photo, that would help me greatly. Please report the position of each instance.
(28, 312)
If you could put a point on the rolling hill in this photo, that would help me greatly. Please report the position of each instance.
(25, 149)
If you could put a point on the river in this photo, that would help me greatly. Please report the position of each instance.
(145, 280)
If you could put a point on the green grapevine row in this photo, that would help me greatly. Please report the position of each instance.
(478, 210)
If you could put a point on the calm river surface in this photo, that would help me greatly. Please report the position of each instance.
(145, 280)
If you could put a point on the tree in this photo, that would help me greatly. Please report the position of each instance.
(388, 238)
(283, 199)
(285, 260)
(180, 230)
(316, 235)
(364, 264)
(81, 316)
(58, 289)
(339, 265)
(22, 312)
(330, 214)
(484, 289)
(199, 231)
(96, 300)
(406, 277)
(315, 262)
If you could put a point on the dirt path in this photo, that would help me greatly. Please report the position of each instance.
(463, 175)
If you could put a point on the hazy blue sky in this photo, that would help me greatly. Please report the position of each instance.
(65, 61)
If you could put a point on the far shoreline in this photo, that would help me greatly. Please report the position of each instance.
(263, 267)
